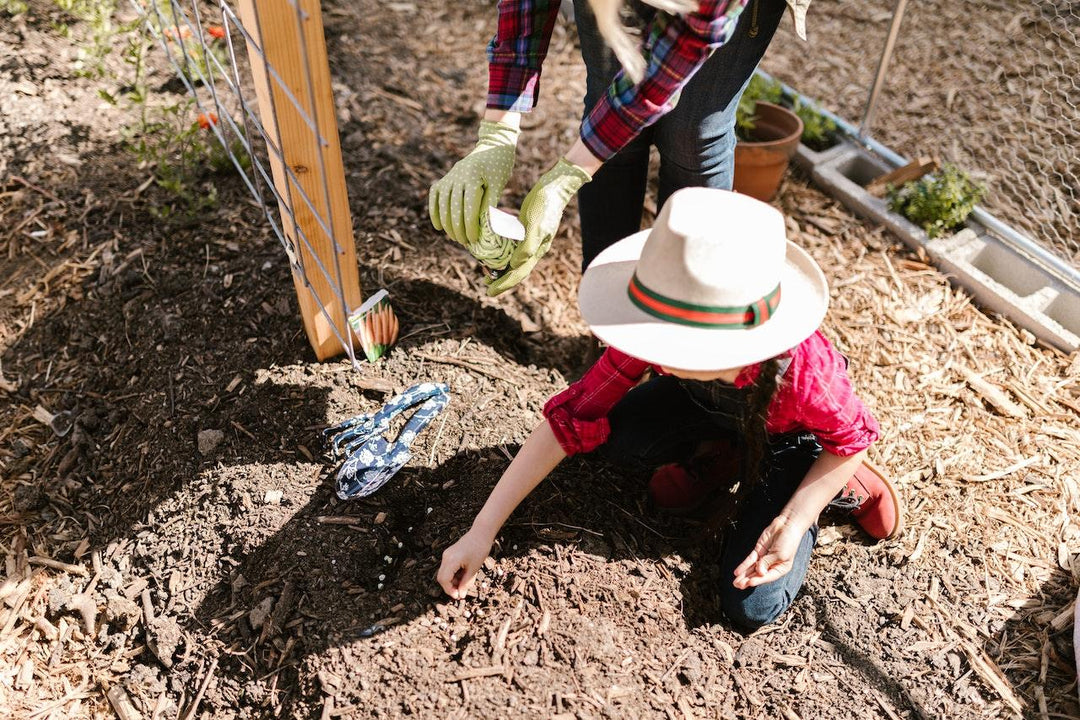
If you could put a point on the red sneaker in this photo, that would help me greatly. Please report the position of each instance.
(873, 501)
(683, 488)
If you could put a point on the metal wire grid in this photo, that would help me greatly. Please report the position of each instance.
(1038, 168)
(1000, 97)
(215, 87)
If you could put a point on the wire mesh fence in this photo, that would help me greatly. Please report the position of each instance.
(259, 78)
(989, 85)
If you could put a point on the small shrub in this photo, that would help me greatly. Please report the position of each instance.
(938, 203)
(13, 7)
(819, 131)
(745, 114)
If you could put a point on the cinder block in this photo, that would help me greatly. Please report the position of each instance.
(1004, 281)
(1000, 277)
(808, 159)
(844, 176)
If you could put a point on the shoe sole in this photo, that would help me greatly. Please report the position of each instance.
(897, 502)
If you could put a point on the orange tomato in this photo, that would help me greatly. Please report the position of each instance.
(171, 34)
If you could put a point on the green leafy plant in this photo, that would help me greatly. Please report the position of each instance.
(178, 146)
(819, 131)
(938, 203)
(746, 113)
(174, 141)
(13, 7)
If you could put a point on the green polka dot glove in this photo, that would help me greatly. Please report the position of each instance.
(541, 213)
(475, 181)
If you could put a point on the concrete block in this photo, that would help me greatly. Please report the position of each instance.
(1004, 281)
(845, 174)
(999, 276)
(808, 159)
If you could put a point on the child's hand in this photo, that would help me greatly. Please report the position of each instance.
(461, 561)
(773, 555)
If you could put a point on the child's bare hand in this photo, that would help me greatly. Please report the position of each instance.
(460, 563)
(772, 556)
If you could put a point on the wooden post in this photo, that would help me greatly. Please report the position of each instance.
(273, 26)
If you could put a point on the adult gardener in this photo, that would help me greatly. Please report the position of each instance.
(678, 91)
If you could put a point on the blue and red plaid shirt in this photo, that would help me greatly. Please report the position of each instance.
(814, 395)
(675, 48)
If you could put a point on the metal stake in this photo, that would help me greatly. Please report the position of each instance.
(883, 65)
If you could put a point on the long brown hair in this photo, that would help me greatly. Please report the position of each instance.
(628, 51)
(755, 440)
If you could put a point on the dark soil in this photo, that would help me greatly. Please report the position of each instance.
(593, 605)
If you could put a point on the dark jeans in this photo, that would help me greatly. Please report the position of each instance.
(659, 422)
(696, 140)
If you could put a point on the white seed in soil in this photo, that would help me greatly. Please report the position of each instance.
(380, 586)
(401, 545)
(381, 578)
(429, 510)
(388, 559)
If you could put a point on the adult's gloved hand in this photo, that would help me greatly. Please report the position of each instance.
(541, 213)
(454, 202)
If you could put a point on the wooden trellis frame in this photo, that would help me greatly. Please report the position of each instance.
(292, 124)
(287, 35)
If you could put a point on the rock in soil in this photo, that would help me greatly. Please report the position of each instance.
(163, 637)
(259, 613)
(121, 611)
(209, 441)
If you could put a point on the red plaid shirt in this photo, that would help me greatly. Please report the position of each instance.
(675, 47)
(814, 395)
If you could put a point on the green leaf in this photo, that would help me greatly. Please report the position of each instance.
(938, 203)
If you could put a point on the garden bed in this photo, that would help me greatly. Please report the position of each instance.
(144, 333)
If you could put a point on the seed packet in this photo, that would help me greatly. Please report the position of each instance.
(375, 325)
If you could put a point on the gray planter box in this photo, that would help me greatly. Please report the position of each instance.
(1000, 277)
(808, 159)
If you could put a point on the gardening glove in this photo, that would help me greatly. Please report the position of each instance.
(475, 181)
(541, 213)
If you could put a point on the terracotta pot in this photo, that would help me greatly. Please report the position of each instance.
(760, 165)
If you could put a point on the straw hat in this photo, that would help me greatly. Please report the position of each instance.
(714, 285)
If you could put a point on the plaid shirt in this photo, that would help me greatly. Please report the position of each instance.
(814, 395)
(675, 48)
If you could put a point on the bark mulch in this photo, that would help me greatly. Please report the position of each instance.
(149, 577)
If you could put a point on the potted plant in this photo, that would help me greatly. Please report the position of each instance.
(768, 135)
(937, 203)
(819, 132)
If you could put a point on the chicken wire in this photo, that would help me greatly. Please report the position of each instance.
(990, 85)
(223, 86)
(1038, 167)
